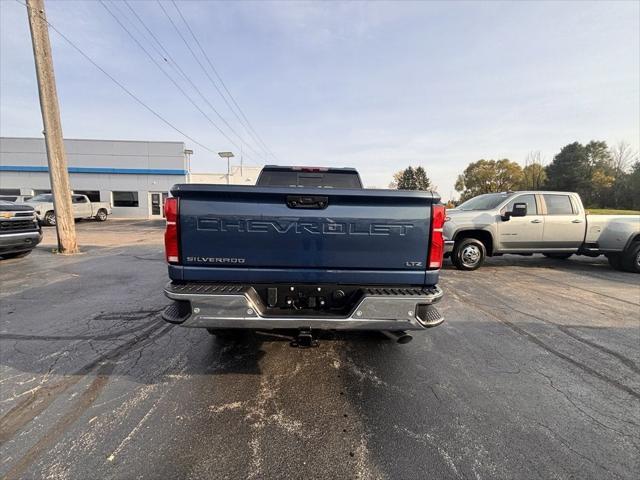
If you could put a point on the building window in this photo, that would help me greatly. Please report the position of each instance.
(40, 192)
(93, 195)
(9, 191)
(125, 199)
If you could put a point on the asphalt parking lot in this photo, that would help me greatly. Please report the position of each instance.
(534, 374)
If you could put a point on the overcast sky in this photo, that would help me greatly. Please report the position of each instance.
(376, 86)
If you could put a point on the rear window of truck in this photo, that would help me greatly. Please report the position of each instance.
(558, 204)
(293, 178)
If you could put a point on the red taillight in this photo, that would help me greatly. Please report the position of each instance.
(171, 233)
(437, 240)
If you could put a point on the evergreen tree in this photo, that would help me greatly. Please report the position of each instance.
(411, 179)
(422, 181)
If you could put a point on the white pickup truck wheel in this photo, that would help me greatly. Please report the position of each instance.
(50, 218)
(101, 216)
(468, 254)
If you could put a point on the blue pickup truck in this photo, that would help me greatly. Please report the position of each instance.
(305, 249)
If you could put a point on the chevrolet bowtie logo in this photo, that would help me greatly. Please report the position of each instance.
(6, 214)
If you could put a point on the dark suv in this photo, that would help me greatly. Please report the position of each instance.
(19, 230)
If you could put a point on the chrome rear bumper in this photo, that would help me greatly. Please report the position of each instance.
(237, 306)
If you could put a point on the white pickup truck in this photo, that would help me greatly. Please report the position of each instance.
(82, 208)
(552, 223)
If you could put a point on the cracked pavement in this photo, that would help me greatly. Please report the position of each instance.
(534, 374)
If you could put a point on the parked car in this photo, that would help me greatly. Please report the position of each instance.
(16, 198)
(552, 223)
(82, 208)
(20, 231)
(306, 248)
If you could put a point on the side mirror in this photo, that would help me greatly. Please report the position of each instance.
(519, 210)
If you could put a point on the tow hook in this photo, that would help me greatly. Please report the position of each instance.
(304, 339)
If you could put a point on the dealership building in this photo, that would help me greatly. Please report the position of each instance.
(134, 176)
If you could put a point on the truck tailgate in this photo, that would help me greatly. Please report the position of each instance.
(298, 229)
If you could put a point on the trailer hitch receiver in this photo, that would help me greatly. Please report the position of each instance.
(304, 339)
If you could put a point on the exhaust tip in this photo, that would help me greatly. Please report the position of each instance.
(399, 336)
(406, 338)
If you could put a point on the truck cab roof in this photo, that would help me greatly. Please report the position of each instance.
(294, 168)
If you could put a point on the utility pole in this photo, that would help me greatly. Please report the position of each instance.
(56, 155)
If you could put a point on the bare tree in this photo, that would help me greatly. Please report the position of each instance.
(534, 174)
(622, 157)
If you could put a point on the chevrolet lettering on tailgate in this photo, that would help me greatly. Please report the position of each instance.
(284, 226)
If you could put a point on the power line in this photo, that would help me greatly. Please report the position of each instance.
(193, 54)
(206, 73)
(244, 123)
(204, 53)
(125, 89)
(164, 54)
(204, 114)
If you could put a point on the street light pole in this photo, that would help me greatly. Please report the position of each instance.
(228, 156)
(187, 154)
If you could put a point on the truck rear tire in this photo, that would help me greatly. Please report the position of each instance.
(468, 254)
(630, 260)
(101, 215)
(558, 256)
